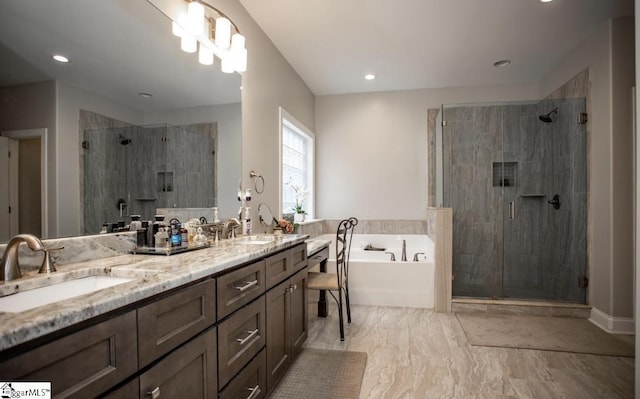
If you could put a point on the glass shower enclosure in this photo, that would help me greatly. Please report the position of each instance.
(515, 175)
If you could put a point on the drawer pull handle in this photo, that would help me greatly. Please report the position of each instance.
(155, 394)
(252, 334)
(247, 285)
(255, 391)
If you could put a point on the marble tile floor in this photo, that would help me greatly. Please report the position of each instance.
(417, 353)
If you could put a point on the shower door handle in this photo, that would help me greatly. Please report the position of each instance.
(512, 209)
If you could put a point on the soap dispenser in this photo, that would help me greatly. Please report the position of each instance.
(246, 221)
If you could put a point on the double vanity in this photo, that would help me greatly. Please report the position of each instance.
(225, 321)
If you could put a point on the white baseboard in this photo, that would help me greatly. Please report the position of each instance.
(614, 325)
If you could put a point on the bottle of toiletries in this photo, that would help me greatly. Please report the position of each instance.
(161, 238)
(176, 237)
(184, 236)
(246, 221)
(153, 229)
(135, 224)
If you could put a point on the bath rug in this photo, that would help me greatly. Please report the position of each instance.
(561, 334)
(323, 374)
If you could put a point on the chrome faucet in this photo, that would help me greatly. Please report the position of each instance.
(234, 222)
(404, 251)
(10, 268)
(393, 256)
(415, 256)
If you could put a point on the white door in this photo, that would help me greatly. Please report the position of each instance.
(8, 188)
(5, 230)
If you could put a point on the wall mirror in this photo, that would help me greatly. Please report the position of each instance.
(127, 82)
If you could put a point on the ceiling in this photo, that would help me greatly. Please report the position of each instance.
(413, 44)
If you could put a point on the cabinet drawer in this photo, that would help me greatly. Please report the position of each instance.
(278, 268)
(298, 257)
(127, 391)
(83, 364)
(170, 321)
(251, 382)
(240, 337)
(239, 287)
(188, 372)
(318, 257)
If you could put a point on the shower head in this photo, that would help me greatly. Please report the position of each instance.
(124, 140)
(546, 118)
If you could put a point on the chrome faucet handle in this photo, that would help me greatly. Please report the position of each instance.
(48, 266)
(415, 256)
(393, 256)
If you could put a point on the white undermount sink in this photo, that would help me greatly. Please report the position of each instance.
(41, 296)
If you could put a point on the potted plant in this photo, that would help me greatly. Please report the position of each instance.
(301, 196)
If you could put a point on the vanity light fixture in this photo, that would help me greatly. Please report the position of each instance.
(60, 58)
(205, 29)
(369, 76)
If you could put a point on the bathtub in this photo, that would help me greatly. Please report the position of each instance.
(376, 280)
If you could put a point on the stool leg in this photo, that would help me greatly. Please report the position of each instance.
(340, 315)
(346, 296)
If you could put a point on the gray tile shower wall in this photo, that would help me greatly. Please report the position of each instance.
(147, 167)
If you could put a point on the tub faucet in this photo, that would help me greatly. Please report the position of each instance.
(415, 256)
(404, 251)
(10, 268)
(393, 256)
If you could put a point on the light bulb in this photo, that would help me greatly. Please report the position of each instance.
(195, 17)
(205, 55)
(188, 43)
(223, 32)
(238, 52)
(176, 29)
(227, 65)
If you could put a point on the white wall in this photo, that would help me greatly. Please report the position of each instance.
(33, 106)
(608, 55)
(371, 149)
(69, 102)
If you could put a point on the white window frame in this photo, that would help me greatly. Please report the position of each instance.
(286, 119)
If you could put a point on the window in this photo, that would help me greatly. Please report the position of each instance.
(297, 165)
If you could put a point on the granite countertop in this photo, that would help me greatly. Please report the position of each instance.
(153, 274)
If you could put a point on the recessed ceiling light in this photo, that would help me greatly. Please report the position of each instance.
(60, 58)
(546, 1)
(145, 95)
(369, 76)
(502, 63)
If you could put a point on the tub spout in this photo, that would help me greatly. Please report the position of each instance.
(393, 256)
(404, 251)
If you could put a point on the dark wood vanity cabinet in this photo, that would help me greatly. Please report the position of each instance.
(226, 336)
(287, 323)
(82, 364)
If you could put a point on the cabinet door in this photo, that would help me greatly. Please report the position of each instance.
(251, 382)
(239, 287)
(83, 364)
(240, 338)
(298, 257)
(170, 321)
(278, 268)
(278, 334)
(299, 311)
(188, 372)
